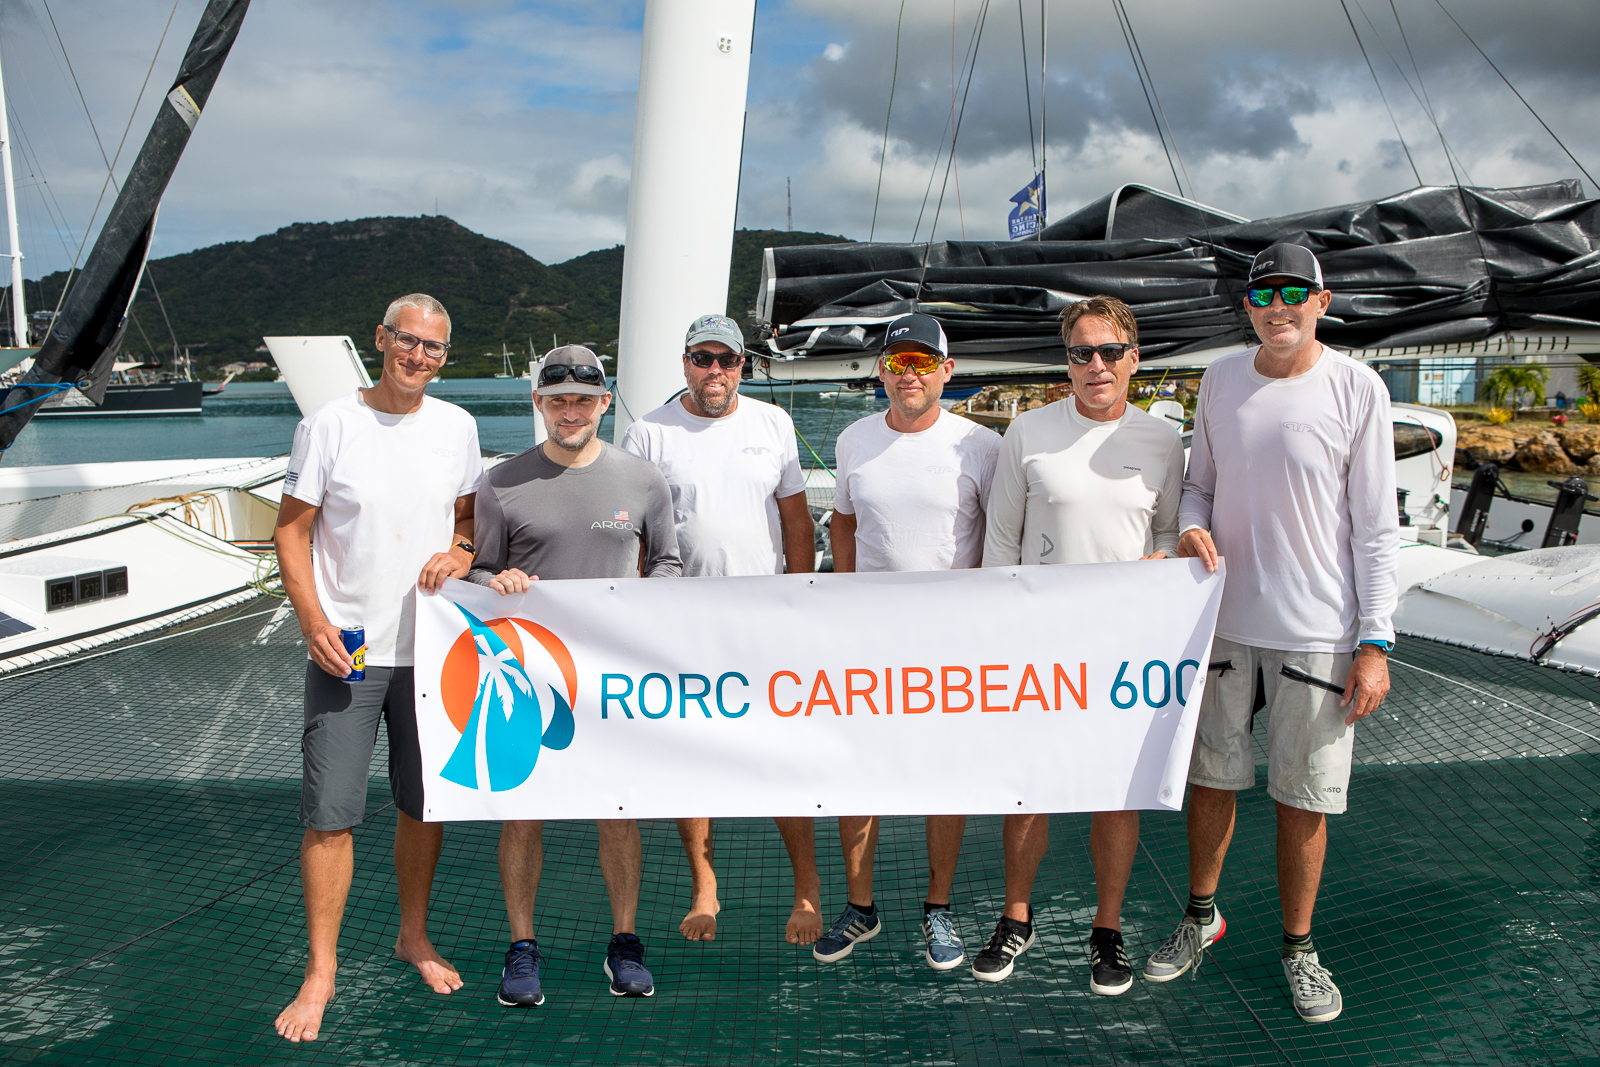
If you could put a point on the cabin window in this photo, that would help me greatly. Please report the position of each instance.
(1411, 440)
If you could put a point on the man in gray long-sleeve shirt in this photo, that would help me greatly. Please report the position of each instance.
(574, 507)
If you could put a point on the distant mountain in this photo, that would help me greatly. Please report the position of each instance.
(336, 278)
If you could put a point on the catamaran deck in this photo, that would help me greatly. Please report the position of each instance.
(150, 908)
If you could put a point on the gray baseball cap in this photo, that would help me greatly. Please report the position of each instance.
(1286, 260)
(715, 328)
(564, 380)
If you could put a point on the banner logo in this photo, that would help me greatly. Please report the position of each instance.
(489, 691)
(1027, 218)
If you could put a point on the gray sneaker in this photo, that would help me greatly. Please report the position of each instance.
(1182, 950)
(1316, 998)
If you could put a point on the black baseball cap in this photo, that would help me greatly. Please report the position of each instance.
(1286, 260)
(922, 329)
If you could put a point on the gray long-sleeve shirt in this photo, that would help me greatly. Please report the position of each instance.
(574, 522)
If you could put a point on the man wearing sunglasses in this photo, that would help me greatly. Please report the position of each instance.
(384, 481)
(1291, 476)
(738, 498)
(912, 485)
(572, 507)
(1088, 479)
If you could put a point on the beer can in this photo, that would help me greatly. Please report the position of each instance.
(355, 643)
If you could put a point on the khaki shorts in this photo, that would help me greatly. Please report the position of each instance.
(1308, 744)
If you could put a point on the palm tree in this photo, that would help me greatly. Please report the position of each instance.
(1512, 381)
(1589, 380)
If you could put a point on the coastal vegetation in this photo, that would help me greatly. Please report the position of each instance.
(336, 277)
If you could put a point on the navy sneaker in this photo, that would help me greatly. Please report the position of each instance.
(625, 967)
(944, 949)
(850, 928)
(519, 980)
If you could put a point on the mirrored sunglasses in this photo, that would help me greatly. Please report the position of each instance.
(1292, 294)
(921, 362)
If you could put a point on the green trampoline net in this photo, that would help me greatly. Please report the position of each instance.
(150, 901)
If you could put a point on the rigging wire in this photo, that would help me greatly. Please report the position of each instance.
(955, 134)
(933, 171)
(960, 213)
(1171, 136)
(1396, 122)
(1426, 99)
(1140, 75)
(883, 153)
(1044, 154)
(1027, 88)
(1513, 88)
(1403, 75)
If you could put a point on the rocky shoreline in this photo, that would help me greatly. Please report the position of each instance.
(1546, 449)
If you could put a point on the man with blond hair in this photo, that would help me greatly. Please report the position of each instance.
(377, 501)
(1088, 479)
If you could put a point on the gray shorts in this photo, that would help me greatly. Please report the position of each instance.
(1308, 744)
(341, 729)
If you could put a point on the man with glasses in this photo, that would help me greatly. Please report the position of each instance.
(573, 507)
(1088, 479)
(912, 485)
(738, 498)
(383, 481)
(1291, 476)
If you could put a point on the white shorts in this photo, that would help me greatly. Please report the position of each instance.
(1308, 744)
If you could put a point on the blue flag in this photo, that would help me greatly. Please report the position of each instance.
(1027, 218)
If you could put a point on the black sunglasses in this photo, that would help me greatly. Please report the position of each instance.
(556, 373)
(727, 361)
(1109, 353)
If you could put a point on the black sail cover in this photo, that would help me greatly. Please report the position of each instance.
(1427, 266)
(87, 333)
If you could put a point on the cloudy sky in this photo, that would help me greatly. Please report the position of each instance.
(516, 118)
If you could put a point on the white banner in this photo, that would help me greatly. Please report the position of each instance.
(1020, 689)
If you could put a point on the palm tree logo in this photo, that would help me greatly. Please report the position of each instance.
(501, 739)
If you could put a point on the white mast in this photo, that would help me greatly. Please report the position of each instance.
(19, 313)
(694, 72)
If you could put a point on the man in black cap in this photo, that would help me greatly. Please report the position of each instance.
(1291, 476)
(912, 489)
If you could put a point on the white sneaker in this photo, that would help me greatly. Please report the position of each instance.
(1182, 950)
(1316, 998)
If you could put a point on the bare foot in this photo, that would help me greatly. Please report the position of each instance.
(439, 975)
(805, 922)
(302, 1020)
(701, 922)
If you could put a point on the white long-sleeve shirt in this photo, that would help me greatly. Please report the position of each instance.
(1071, 490)
(1294, 477)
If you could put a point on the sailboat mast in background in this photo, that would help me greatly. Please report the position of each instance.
(19, 311)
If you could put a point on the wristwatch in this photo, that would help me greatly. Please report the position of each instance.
(466, 546)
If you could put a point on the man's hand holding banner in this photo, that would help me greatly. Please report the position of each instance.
(825, 694)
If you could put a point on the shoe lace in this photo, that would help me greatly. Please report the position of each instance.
(1004, 940)
(1311, 980)
(629, 949)
(524, 962)
(1184, 941)
(848, 918)
(940, 928)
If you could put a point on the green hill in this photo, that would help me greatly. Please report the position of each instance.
(336, 278)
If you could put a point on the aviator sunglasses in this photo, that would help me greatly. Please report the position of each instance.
(921, 362)
(1292, 294)
(726, 360)
(556, 373)
(1109, 353)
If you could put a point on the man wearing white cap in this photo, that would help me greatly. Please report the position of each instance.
(1291, 476)
(738, 498)
(572, 507)
(913, 483)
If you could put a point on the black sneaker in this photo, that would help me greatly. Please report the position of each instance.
(1009, 940)
(1110, 973)
(625, 967)
(519, 979)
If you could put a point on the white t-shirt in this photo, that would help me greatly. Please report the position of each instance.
(1294, 477)
(387, 487)
(918, 498)
(726, 477)
(1072, 490)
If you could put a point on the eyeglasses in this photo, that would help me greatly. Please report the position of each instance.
(726, 360)
(921, 362)
(408, 342)
(1109, 353)
(556, 373)
(1292, 294)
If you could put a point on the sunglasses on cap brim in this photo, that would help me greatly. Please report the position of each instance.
(1292, 294)
(556, 373)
